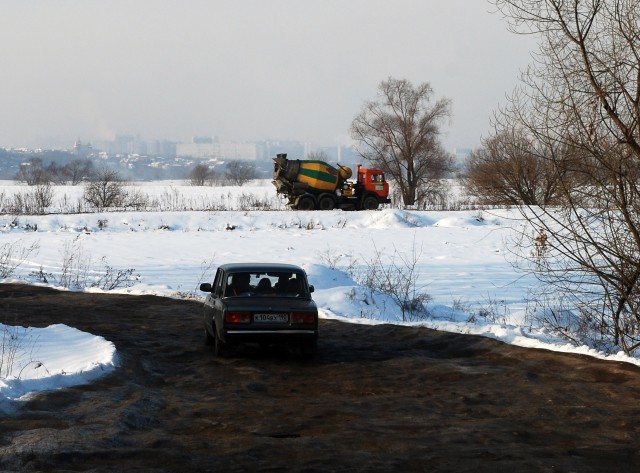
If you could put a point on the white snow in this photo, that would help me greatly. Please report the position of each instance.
(49, 358)
(461, 260)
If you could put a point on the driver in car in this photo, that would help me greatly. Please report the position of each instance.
(239, 285)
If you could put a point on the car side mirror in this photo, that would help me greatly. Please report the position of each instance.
(205, 287)
(311, 288)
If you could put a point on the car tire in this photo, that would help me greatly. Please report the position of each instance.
(220, 348)
(208, 339)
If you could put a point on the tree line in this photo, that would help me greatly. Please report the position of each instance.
(35, 172)
(235, 173)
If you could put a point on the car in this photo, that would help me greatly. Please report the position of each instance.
(260, 303)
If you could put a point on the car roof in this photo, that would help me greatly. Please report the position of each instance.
(259, 267)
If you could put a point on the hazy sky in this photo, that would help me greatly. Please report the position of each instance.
(242, 69)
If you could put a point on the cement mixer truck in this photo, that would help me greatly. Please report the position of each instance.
(311, 185)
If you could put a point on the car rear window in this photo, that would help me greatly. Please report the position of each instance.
(266, 284)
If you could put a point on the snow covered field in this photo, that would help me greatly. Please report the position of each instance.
(461, 259)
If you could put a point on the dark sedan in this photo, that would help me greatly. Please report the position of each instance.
(263, 303)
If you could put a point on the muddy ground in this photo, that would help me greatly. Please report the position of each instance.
(376, 398)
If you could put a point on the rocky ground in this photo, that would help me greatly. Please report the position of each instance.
(376, 398)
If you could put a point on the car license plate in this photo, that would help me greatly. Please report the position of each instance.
(271, 318)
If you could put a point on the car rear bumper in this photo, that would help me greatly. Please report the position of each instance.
(270, 336)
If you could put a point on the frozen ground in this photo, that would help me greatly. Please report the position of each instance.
(461, 259)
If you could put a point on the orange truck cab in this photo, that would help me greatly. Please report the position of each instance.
(373, 181)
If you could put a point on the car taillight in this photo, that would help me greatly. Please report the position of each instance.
(238, 317)
(304, 318)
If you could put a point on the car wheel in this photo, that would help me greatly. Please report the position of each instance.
(208, 339)
(220, 348)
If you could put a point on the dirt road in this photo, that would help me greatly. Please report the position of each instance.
(376, 398)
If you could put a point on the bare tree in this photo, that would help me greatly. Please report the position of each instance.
(107, 190)
(200, 175)
(33, 172)
(78, 170)
(240, 172)
(583, 92)
(399, 132)
(513, 169)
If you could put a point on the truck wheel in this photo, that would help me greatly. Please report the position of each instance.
(326, 202)
(370, 203)
(306, 202)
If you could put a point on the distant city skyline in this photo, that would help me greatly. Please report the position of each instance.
(203, 147)
(244, 70)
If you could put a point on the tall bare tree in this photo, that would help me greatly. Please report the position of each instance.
(583, 92)
(399, 132)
